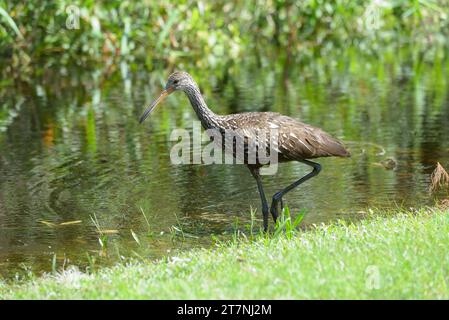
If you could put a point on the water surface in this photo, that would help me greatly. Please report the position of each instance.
(71, 149)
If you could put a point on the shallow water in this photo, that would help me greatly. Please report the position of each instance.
(72, 149)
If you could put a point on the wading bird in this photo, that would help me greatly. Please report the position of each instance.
(296, 141)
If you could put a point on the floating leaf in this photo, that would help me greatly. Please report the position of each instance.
(70, 222)
(48, 224)
(108, 231)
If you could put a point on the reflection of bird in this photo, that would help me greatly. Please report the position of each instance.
(296, 141)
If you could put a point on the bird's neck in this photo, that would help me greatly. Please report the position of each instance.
(206, 116)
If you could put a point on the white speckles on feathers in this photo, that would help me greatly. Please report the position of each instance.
(297, 140)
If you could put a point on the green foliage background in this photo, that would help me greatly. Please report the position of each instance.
(208, 33)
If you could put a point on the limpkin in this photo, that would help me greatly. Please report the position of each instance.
(297, 141)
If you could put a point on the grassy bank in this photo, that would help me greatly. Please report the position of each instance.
(399, 256)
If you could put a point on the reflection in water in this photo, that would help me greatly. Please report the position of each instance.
(71, 148)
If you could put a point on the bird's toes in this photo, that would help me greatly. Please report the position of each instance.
(274, 211)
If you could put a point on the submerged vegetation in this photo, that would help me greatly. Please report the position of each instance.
(439, 179)
(389, 255)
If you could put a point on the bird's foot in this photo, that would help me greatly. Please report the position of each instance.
(265, 218)
(274, 210)
(275, 207)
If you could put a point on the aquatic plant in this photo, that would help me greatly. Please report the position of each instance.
(439, 178)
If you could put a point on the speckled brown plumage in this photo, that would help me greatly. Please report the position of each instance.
(296, 141)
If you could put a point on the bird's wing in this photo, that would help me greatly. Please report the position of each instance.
(298, 140)
(250, 129)
(293, 139)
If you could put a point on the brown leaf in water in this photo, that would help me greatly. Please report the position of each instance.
(48, 224)
(108, 231)
(70, 222)
(439, 178)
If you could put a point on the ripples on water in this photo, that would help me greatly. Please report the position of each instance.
(72, 149)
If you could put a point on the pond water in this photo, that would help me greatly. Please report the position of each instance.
(73, 158)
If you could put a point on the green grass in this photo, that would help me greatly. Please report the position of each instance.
(404, 255)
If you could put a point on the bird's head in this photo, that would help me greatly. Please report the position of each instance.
(178, 80)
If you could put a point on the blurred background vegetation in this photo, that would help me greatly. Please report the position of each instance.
(155, 34)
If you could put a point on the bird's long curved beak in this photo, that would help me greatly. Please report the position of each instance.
(153, 105)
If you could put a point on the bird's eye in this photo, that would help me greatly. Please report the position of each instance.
(176, 81)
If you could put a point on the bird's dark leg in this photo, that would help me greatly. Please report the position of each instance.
(278, 196)
(255, 172)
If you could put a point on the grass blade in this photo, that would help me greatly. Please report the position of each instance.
(136, 238)
(10, 22)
